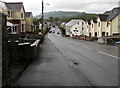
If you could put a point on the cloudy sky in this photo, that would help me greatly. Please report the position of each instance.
(91, 6)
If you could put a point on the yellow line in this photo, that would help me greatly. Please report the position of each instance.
(108, 55)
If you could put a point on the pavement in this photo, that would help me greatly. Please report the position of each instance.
(52, 69)
(111, 49)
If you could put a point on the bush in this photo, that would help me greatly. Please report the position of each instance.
(62, 30)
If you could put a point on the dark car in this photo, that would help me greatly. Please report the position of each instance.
(50, 31)
(58, 32)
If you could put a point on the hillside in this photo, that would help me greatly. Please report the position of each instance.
(67, 16)
(61, 14)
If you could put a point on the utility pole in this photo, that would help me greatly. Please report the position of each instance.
(42, 16)
(42, 39)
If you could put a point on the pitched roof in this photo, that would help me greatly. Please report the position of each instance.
(103, 17)
(89, 22)
(107, 13)
(16, 6)
(28, 14)
(113, 13)
(94, 19)
(73, 22)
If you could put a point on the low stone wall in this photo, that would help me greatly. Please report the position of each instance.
(83, 37)
(21, 55)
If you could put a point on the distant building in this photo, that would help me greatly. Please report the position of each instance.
(29, 22)
(63, 24)
(75, 27)
(103, 28)
(93, 27)
(88, 28)
(113, 20)
(3, 7)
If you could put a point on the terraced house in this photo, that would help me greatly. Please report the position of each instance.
(16, 16)
(113, 21)
(29, 22)
(93, 27)
(104, 25)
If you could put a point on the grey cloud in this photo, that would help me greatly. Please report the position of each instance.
(87, 6)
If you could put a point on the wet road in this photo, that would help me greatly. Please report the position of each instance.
(98, 63)
(51, 69)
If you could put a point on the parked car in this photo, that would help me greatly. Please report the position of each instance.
(50, 31)
(118, 43)
(58, 32)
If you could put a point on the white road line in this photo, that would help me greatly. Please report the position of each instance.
(86, 47)
(109, 55)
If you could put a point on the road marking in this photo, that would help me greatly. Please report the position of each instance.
(86, 47)
(109, 55)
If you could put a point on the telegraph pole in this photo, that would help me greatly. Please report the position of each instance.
(42, 15)
(42, 21)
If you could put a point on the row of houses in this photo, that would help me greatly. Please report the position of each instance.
(106, 24)
(18, 20)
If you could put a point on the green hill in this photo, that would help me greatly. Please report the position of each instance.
(66, 15)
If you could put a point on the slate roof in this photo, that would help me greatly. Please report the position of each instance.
(113, 13)
(73, 22)
(94, 19)
(89, 22)
(103, 17)
(16, 6)
(28, 14)
(107, 13)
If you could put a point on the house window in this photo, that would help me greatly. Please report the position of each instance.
(98, 24)
(21, 15)
(108, 24)
(82, 23)
(75, 30)
(8, 13)
(92, 25)
(78, 23)
(82, 28)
